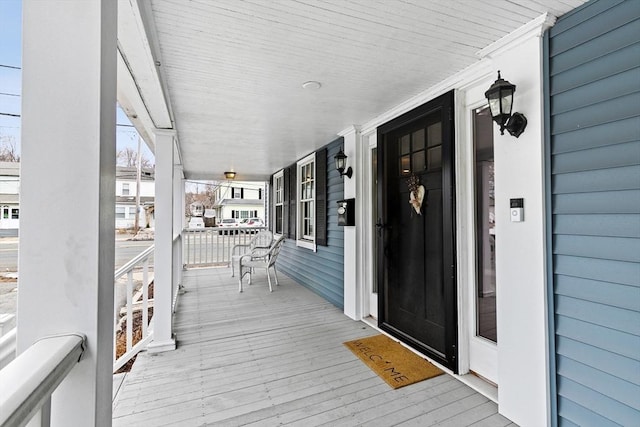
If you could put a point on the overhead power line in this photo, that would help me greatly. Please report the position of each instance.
(13, 67)
(9, 114)
(9, 94)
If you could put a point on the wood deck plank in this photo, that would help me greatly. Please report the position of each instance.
(261, 358)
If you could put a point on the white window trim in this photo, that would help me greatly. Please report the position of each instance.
(276, 176)
(305, 243)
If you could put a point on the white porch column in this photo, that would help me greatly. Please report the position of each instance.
(178, 199)
(163, 339)
(178, 222)
(67, 194)
(352, 285)
(520, 246)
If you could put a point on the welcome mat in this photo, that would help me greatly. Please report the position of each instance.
(395, 364)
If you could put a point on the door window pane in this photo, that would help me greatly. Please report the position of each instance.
(434, 158)
(418, 162)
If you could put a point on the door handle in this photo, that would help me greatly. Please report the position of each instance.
(381, 226)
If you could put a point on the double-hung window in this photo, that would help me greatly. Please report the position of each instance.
(278, 183)
(306, 183)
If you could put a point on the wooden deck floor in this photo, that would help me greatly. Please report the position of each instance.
(269, 359)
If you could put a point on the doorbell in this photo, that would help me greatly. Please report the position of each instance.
(517, 210)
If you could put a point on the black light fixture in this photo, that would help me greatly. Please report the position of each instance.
(500, 97)
(230, 175)
(341, 163)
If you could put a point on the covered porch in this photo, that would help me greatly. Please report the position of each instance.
(261, 358)
(272, 91)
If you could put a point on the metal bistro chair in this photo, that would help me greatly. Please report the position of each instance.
(258, 245)
(248, 263)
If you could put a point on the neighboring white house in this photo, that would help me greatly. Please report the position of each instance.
(239, 200)
(9, 195)
(126, 197)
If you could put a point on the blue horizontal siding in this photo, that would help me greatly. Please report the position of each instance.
(604, 135)
(609, 202)
(614, 225)
(580, 416)
(614, 294)
(608, 316)
(613, 364)
(599, 69)
(608, 21)
(321, 271)
(608, 88)
(609, 156)
(609, 179)
(608, 111)
(583, 54)
(609, 248)
(614, 387)
(625, 273)
(593, 106)
(602, 410)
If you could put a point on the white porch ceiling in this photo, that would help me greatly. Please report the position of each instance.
(232, 70)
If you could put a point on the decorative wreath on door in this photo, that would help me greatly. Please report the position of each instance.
(416, 193)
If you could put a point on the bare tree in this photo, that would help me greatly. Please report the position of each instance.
(8, 149)
(129, 157)
(205, 196)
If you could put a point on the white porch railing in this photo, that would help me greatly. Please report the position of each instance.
(212, 246)
(135, 311)
(177, 270)
(28, 381)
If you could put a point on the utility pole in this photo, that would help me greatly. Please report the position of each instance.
(136, 224)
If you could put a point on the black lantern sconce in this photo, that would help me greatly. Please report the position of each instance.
(500, 97)
(341, 163)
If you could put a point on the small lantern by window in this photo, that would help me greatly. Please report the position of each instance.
(500, 97)
(341, 163)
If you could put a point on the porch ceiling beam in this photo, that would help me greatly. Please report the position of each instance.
(141, 91)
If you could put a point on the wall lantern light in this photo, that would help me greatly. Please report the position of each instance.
(341, 163)
(230, 175)
(500, 97)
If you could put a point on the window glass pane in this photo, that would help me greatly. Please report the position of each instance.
(5, 212)
(434, 134)
(15, 213)
(485, 226)
(120, 212)
(434, 158)
(279, 219)
(418, 162)
(405, 165)
(405, 144)
(418, 140)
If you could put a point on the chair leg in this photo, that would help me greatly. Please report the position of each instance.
(275, 273)
(240, 284)
(269, 280)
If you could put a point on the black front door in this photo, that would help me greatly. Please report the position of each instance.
(416, 259)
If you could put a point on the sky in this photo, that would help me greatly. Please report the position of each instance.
(11, 83)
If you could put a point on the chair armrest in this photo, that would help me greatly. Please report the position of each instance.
(239, 249)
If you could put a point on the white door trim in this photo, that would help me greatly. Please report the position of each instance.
(475, 353)
(369, 300)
